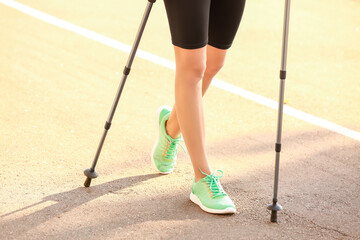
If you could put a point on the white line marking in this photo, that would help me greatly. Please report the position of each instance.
(169, 64)
(288, 110)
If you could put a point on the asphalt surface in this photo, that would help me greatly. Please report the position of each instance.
(57, 89)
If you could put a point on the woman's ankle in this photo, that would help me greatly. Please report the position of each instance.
(199, 175)
(170, 132)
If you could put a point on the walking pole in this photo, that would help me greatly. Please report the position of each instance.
(90, 173)
(275, 207)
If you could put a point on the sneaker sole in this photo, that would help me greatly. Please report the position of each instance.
(197, 201)
(158, 136)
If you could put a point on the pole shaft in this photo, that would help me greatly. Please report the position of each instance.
(280, 110)
(130, 59)
(123, 80)
(285, 35)
(99, 150)
(281, 103)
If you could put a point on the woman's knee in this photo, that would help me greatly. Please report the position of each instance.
(191, 63)
(196, 70)
(215, 60)
(212, 68)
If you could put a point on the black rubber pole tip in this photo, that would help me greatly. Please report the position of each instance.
(90, 174)
(87, 182)
(273, 216)
(274, 208)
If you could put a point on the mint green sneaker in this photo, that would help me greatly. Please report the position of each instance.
(164, 152)
(210, 196)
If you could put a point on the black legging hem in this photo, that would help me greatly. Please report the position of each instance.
(195, 23)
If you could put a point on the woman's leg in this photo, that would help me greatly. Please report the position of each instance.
(214, 62)
(188, 91)
(190, 68)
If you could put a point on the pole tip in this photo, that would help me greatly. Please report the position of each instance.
(273, 217)
(87, 182)
(274, 208)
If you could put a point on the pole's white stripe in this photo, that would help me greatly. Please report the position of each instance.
(171, 65)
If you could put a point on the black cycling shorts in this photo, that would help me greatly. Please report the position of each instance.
(196, 23)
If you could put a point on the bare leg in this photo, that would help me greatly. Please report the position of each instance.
(215, 61)
(190, 69)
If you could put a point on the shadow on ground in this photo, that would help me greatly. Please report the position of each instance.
(66, 201)
(316, 188)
